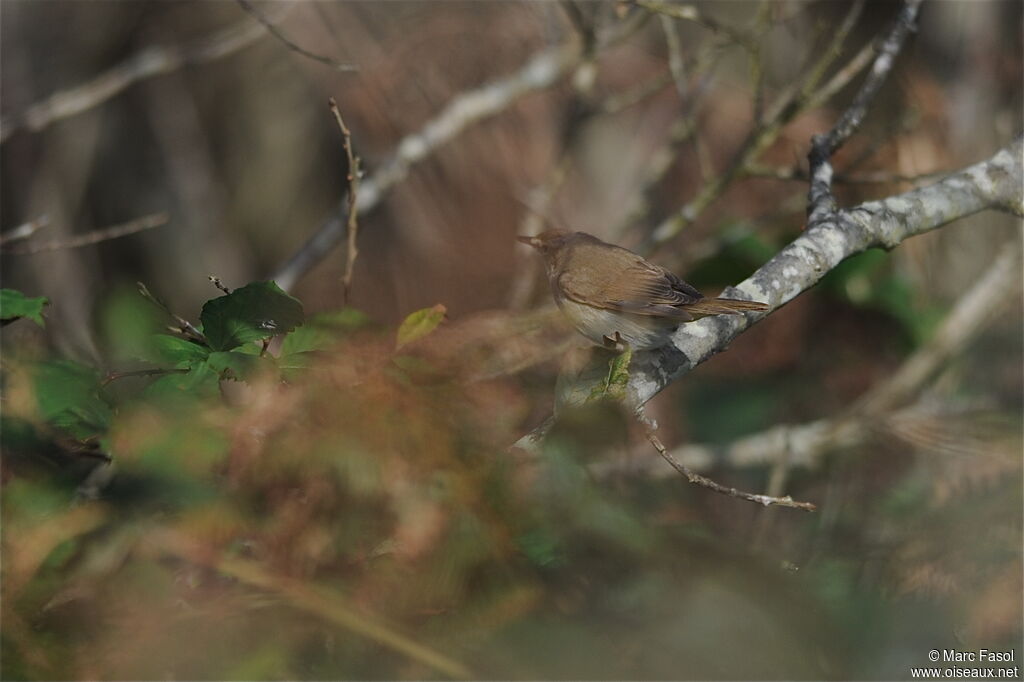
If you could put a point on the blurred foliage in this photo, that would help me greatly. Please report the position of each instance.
(338, 509)
(869, 280)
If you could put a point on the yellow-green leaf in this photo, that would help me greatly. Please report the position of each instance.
(419, 324)
(615, 383)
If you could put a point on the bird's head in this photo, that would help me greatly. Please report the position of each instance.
(549, 242)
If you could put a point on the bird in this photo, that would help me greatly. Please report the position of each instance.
(615, 297)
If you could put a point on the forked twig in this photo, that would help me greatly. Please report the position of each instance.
(705, 482)
(291, 44)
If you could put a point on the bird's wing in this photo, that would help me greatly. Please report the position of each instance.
(638, 287)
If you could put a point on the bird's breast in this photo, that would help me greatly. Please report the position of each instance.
(641, 332)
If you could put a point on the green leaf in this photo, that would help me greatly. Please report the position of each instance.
(68, 396)
(419, 324)
(307, 338)
(201, 381)
(256, 311)
(128, 323)
(615, 383)
(542, 547)
(177, 351)
(14, 305)
(322, 330)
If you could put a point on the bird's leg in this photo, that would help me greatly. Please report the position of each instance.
(615, 343)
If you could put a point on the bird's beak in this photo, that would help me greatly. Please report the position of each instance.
(529, 241)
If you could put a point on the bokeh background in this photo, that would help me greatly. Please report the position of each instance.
(400, 500)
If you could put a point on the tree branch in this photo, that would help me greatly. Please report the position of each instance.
(992, 184)
(89, 238)
(820, 199)
(995, 183)
(806, 443)
(542, 71)
(149, 62)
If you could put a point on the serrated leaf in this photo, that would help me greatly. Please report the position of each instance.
(615, 383)
(14, 305)
(256, 311)
(419, 324)
(177, 351)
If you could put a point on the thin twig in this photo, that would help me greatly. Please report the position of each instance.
(291, 44)
(683, 129)
(114, 376)
(91, 238)
(184, 326)
(24, 231)
(620, 101)
(705, 482)
(351, 222)
(148, 62)
(756, 59)
(675, 56)
(220, 285)
(756, 170)
(691, 13)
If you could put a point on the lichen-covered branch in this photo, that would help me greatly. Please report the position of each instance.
(995, 183)
(890, 400)
(992, 184)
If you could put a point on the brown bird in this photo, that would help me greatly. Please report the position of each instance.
(614, 297)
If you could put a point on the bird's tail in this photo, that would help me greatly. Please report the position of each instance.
(723, 306)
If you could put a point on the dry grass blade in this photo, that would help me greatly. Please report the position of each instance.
(319, 601)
